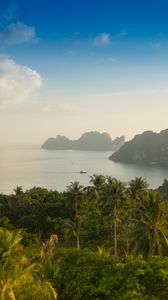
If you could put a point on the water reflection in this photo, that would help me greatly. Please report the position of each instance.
(31, 166)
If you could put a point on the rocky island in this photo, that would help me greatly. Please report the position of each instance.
(93, 141)
(148, 148)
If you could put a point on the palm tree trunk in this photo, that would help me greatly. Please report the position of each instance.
(127, 247)
(78, 240)
(115, 230)
(77, 225)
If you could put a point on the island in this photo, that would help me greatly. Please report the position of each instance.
(90, 141)
(148, 148)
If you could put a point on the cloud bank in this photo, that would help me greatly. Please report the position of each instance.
(17, 33)
(17, 82)
(102, 39)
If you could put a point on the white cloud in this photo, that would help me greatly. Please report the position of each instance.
(68, 107)
(102, 39)
(60, 107)
(17, 33)
(17, 82)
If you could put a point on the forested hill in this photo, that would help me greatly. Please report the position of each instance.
(148, 148)
(88, 141)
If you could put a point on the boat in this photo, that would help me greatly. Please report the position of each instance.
(83, 172)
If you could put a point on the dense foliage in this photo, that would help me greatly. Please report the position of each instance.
(148, 148)
(120, 233)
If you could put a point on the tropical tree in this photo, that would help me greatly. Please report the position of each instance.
(149, 234)
(163, 189)
(136, 186)
(115, 193)
(18, 190)
(98, 182)
(74, 203)
(19, 278)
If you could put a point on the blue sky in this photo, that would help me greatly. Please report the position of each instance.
(71, 66)
(59, 19)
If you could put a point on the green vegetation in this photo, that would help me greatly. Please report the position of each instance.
(20, 278)
(148, 148)
(105, 241)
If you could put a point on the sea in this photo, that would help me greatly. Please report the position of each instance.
(30, 166)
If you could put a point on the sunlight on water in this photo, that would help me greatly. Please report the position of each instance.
(31, 166)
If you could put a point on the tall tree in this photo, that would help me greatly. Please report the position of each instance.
(149, 235)
(115, 190)
(98, 182)
(74, 202)
(136, 186)
(18, 190)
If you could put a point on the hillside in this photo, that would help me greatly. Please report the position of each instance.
(93, 141)
(148, 148)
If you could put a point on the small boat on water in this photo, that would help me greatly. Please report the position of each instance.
(83, 172)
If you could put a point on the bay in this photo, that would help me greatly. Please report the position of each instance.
(29, 166)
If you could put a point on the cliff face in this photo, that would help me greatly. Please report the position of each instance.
(148, 148)
(88, 141)
(58, 143)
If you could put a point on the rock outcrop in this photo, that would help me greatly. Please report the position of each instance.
(148, 148)
(93, 141)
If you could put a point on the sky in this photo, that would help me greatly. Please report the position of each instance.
(70, 66)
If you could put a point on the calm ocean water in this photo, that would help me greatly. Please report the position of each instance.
(31, 166)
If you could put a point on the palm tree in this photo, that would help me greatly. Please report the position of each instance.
(115, 190)
(74, 201)
(149, 235)
(10, 246)
(19, 279)
(98, 182)
(18, 190)
(136, 186)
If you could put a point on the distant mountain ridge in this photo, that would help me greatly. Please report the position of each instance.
(93, 141)
(148, 148)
